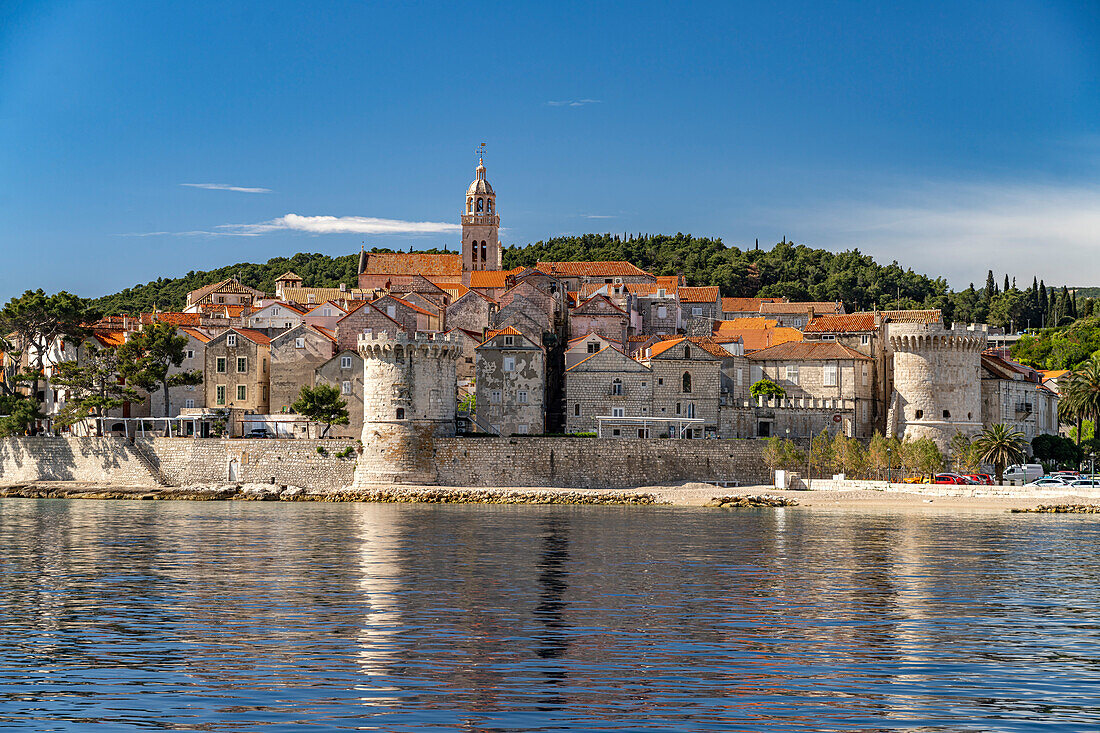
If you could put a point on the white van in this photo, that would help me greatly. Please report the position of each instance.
(1023, 473)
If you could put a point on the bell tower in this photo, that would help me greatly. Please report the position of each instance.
(480, 224)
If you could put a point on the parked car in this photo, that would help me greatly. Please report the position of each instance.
(1022, 473)
(915, 480)
(1068, 474)
(948, 478)
(982, 479)
(259, 433)
(1047, 482)
(1085, 483)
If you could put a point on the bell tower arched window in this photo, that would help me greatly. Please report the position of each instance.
(489, 205)
(480, 205)
(483, 250)
(469, 204)
(687, 382)
(687, 352)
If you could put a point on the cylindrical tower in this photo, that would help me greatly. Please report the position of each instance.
(937, 387)
(409, 390)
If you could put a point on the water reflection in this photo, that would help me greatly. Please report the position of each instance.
(234, 616)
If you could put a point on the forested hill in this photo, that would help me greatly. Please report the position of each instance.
(785, 269)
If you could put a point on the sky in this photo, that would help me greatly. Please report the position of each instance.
(145, 140)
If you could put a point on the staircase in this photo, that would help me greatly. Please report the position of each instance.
(150, 466)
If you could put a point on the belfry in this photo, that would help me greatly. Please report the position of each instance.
(480, 225)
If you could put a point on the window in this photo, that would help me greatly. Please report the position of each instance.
(617, 412)
(190, 354)
(691, 409)
(828, 337)
(617, 386)
(660, 381)
(616, 432)
(509, 363)
(864, 375)
(275, 311)
(687, 352)
(509, 340)
(792, 373)
(677, 408)
(863, 411)
(480, 205)
(696, 310)
(219, 366)
(345, 388)
(685, 382)
(400, 413)
(242, 392)
(345, 362)
(593, 347)
(299, 343)
(757, 373)
(522, 396)
(242, 364)
(188, 403)
(521, 429)
(231, 340)
(264, 362)
(326, 312)
(920, 414)
(830, 375)
(864, 339)
(947, 414)
(662, 311)
(221, 394)
(494, 397)
(576, 409)
(221, 298)
(740, 376)
(263, 392)
(391, 310)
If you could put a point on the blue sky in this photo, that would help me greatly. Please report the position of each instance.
(953, 137)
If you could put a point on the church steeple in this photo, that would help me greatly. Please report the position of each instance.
(480, 224)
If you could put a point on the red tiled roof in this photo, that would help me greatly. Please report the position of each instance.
(912, 316)
(506, 331)
(641, 289)
(745, 305)
(704, 343)
(331, 335)
(253, 335)
(488, 278)
(851, 323)
(288, 275)
(795, 308)
(196, 334)
(110, 339)
(605, 299)
(704, 294)
(736, 325)
(761, 338)
(429, 265)
(176, 319)
(225, 310)
(808, 351)
(614, 268)
(668, 281)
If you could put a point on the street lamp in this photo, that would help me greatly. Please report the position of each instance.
(889, 466)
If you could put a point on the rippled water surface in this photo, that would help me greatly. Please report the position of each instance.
(278, 617)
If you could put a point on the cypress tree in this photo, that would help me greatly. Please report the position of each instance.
(990, 286)
(1073, 305)
(1006, 285)
(1042, 300)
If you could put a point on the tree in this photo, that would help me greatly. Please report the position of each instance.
(922, 456)
(18, 414)
(1081, 393)
(849, 457)
(93, 385)
(148, 356)
(1000, 445)
(322, 404)
(990, 288)
(782, 453)
(964, 459)
(821, 452)
(37, 321)
(767, 388)
(1056, 450)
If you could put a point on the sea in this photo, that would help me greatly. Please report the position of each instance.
(252, 616)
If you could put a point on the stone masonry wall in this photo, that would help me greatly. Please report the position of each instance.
(90, 460)
(596, 463)
(292, 462)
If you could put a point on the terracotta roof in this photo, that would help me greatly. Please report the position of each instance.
(704, 294)
(614, 268)
(818, 307)
(445, 265)
(704, 343)
(1053, 373)
(507, 331)
(761, 338)
(746, 305)
(488, 278)
(709, 345)
(226, 310)
(288, 275)
(590, 335)
(668, 281)
(196, 334)
(327, 333)
(808, 351)
(110, 339)
(253, 335)
(643, 289)
(176, 319)
(228, 285)
(320, 295)
(605, 299)
(912, 316)
(851, 323)
(736, 325)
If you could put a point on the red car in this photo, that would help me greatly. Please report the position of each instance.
(948, 478)
(983, 479)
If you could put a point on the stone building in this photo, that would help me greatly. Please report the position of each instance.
(745, 307)
(275, 318)
(687, 379)
(471, 311)
(385, 271)
(611, 394)
(194, 360)
(365, 319)
(699, 309)
(480, 227)
(295, 357)
(654, 308)
(344, 371)
(797, 315)
(511, 384)
(600, 316)
(238, 371)
(412, 318)
(466, 364)
(1014, 394)
(582, 347)
(409, 402)
(225, 292)
(528, 309)
(575, 274)
(288, 280)
(828, 387)
(935, 381)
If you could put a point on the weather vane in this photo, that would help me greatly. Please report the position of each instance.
(481, 151)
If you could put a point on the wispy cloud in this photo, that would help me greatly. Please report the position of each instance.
(962, 231)
(573, 102)
(226, 187)
(599, 216)
(319, 225)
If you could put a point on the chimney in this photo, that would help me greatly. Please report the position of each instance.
(343, 288)
(810, 314)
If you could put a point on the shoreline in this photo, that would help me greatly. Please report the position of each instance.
(683, 495)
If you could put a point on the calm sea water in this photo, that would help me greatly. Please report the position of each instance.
(313, 617)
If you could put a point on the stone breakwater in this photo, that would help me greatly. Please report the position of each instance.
(750, 500)
(1059, 509)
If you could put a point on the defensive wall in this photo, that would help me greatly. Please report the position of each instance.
(521, 462)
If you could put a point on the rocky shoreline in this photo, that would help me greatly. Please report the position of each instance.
(1059, 509)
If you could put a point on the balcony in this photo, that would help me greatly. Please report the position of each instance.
(481, 219)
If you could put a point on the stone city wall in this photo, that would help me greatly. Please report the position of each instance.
(91, 460)
(293, 462)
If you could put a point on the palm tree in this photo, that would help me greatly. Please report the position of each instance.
(1081, 395)
(1001, 445)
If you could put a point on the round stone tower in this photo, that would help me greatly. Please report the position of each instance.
(409, 390)
(937, 386)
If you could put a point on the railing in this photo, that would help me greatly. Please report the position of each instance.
(805, 403)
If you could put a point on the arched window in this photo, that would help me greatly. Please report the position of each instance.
(687, 382)
(480, 205)
(617, 386)
(400, 413)
(469, 204)
(687, 352)
(483, 257)
(920, 414)
(489, 205)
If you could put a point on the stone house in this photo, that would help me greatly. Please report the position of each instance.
(275, 318)
(344, 371)
(466, 366)
(828, 387)
(295, 356)
(797, 315)
(471, 311)
(325, 315)
(436, 309)
(745, 307)
(654, 309)
(412, 318)
(575, 274)
(490, 283)
(687, 379)
(288, 280)
(238, 371)
(225, 292)
(191, 395)
(385, 271)
(364, 319)
(1013, 394)
(610, 393)
(600, 316)
(582, 347)
(529, 309)
(699, 308)
(511, 384)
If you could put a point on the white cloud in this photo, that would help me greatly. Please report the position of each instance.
(320, 225)
(961, 231)
(226, 187)
(573, 102)
(599, 216)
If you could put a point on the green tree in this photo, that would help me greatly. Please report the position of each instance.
(767, 388)
(964, 459)
(1000, 445)
(18, 414)
(922, 456)
(1056, 450)
(821, 452)
(93, 385)
(322, 404)
(849, 457)
(148, 356)
(1081, 393)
